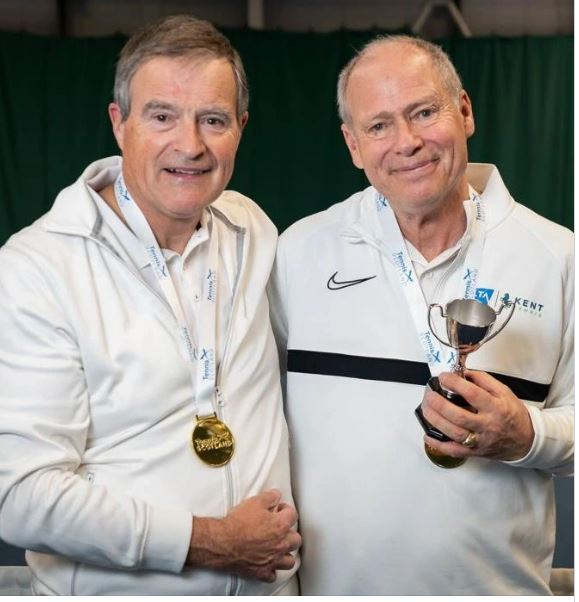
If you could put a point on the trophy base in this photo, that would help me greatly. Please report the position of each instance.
(434, 456)
(442, 460)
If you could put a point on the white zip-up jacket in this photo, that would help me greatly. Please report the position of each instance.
(376, 516)
(98, 479)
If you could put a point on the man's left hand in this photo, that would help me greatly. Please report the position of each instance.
(500, 429)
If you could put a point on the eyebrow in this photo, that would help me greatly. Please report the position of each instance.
(219, 111)
(428, 100)
(158, 105)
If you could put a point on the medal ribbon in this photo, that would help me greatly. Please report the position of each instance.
(203, 357)
(438, 357)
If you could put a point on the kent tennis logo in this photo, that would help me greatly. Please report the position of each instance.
(206, 357)
(496, 298)
(157, 263)
(484, 295)
(381, 203)
(211, 285)
(405, 272)
(470, 277)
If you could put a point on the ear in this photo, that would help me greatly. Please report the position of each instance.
(243, 120)
(465, 107)
(352, 145)
(117, 123)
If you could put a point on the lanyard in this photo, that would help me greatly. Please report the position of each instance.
(438, 357)
(202, 357)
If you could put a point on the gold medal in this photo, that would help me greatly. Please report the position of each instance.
(212, 441)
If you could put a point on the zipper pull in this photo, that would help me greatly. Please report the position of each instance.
(219, 396)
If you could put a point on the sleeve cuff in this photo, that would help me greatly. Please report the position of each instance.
(552, 448)
(168, 540)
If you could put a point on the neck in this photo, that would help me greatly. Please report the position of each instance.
(173, 235)
(435, 231)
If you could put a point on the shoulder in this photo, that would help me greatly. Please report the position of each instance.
(545, 235)
(30, 248)
(243, 212)
(327, 223)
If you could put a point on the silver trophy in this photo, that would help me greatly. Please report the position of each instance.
(469, 324)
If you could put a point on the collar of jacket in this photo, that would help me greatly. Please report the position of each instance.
(74, 211)
(363, 226)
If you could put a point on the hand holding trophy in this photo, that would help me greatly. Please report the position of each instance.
(469, 324)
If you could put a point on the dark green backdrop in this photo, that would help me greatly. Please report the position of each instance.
(292, 160)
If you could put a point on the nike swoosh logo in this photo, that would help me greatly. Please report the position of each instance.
(335, 285)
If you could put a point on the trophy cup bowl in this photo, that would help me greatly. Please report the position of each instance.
(469, 324)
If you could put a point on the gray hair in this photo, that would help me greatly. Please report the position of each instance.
(440, 60)
(177, 36)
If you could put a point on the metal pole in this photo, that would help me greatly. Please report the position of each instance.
(255, 16)
(62, 18)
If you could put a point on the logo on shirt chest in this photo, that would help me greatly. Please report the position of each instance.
(336, 285)
(496, 297)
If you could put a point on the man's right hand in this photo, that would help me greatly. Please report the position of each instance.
(254, 540)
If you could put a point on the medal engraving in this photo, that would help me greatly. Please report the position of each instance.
(213, 441)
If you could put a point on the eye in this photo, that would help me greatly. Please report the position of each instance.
(424, 113)
(377, 129)
(216, 122)
(161, 117)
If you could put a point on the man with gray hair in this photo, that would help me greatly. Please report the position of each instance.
(143, 443)
(474, 515)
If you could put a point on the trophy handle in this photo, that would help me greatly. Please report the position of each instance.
(431, 325)
(510, 304)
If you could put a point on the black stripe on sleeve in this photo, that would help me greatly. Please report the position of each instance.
(392, 370)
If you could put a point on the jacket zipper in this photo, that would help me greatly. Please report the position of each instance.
(233, 579)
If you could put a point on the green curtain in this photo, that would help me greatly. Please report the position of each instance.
(292, 160)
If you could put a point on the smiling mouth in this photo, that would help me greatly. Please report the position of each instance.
(415, 167)
(186, 172)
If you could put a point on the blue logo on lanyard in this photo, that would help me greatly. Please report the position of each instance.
(381, 203)
(470, 277)
(211, 276)
(207, 359)
(405, 272)
(158, 265)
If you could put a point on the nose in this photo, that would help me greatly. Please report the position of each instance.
(189, 140)
(407, 140)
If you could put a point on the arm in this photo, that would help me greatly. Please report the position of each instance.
(46, 503)
(254, 539)
(507, 428)
(276, 292)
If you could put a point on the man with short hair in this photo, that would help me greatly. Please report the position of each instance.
(143, 444)
(350, 299)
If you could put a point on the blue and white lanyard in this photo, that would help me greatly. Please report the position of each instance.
(202, 357)
(439, 358)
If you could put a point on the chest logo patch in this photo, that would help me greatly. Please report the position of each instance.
(336, 285)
